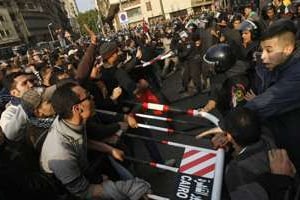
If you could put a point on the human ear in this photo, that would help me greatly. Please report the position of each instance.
(288, 50)
(14, 92)
(229, 137)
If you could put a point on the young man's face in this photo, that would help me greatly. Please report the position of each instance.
(246, 35)
(270, 13)
(86, 105)
(277, 2)
(23, 84)
(273, 53)
(236, 24)
(247, 11)
(37, 58)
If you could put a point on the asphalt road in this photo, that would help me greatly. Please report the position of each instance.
(163, 181)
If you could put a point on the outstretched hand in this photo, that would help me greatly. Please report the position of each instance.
(212, 131)
(91, 34)
(118, 154)
(116, 93)
(132, 122)
(219, 140)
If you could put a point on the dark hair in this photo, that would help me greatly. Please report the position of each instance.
(195, 37)
(107, 49)
(63, 99)
(234, 18)
(56, 72)
(278, 28)
(243, 125)
(9, 80)
(44, 69)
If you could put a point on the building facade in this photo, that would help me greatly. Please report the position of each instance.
(72, 13)
(32, 20)
(151, 10)
(8, 33)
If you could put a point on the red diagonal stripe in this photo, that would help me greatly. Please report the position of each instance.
(190, 153)
(197, 161)
(205, 170)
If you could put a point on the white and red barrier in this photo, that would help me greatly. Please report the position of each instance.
(166, 108)
(156, 59)
(199, 174)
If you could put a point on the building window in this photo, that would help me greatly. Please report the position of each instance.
(30, 6)
(2, 33)
(13, 17)
(21, 5)
(134, 12)
(148, 6)
(7, 33)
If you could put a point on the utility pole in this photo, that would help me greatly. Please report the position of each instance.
(162, 9)
(99, 14)
(100, 22)
(121, 8)
(50, 31)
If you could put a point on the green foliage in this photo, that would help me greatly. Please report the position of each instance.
(90, 18)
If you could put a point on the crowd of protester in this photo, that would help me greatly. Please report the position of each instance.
(54, 144)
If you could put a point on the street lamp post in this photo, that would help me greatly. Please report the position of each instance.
(162, 9)
(50, 24)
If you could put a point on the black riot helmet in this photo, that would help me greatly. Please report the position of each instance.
(221, 56)
(177, 25)
(248, 25)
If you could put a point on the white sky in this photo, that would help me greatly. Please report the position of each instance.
(84, 5)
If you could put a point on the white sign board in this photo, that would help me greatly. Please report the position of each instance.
(123, 18)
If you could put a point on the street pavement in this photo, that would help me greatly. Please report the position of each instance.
(163, 182)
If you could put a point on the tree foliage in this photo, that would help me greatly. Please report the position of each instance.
(90, 18)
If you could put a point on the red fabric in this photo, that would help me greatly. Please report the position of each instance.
(149, 97)
(145, 26)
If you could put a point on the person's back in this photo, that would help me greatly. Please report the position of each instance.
(247, 166)
(250, 152)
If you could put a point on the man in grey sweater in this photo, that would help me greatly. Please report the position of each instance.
(64, 152)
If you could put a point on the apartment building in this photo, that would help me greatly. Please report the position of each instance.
(72, 13)
(8, 33)
(30, 20)
(150, 10)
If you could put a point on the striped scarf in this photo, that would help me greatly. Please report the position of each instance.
(41, 122)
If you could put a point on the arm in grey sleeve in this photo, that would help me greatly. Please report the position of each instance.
(69, 174)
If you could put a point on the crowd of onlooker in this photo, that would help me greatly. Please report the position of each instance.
(54, 143)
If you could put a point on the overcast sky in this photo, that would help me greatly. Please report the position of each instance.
(84, 5)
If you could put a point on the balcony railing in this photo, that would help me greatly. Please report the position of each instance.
(130, 3)
(201, 2)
